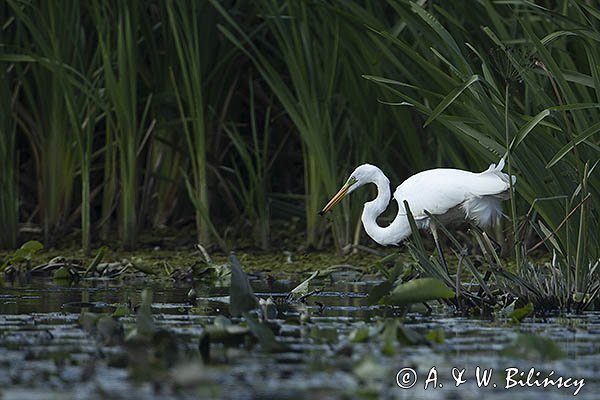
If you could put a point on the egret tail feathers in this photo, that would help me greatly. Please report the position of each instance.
(497, 170)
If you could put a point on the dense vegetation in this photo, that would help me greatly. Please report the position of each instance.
(129, 116)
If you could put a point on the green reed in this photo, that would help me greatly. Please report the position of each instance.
(305, 77)
(46, 47)
(406, 86)
(128, 113)
(484, 98)
(190, 42)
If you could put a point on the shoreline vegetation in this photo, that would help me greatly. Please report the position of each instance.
(240, 118)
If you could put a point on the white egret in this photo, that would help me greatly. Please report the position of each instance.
(451, 195)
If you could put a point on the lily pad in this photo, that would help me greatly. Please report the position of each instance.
(417, 291)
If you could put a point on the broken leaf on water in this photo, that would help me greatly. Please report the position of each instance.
(121, 311)
(302, 288)
(242, 297)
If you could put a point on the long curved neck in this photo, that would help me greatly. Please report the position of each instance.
(398, 230)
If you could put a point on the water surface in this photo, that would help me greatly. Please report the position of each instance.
(45, 354)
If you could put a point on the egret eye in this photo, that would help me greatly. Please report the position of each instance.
(351, 181)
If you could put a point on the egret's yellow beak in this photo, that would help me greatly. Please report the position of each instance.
(337, 198)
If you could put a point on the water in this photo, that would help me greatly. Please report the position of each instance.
(45, 353)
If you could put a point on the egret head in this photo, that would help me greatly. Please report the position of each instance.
(362, 174)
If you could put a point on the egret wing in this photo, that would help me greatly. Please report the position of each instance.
(439, 190)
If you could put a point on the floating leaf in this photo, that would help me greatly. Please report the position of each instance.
(32, 246)
(322, 334)
(436, 336)
(242, 297)
(146, 269)
(417, 291)
(121, 311)
(409, 336)
(370, 370)
(62, 273)
(264, 334)
(26, 251)
(224, 332)
(520, 313)
(379, 291)
(534, 348)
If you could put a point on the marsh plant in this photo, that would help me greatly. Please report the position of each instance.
(139, 106)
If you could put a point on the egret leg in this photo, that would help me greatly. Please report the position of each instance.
(438, 246)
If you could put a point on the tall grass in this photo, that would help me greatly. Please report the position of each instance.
(199, 57)
(161, 182)
(41, 113)
(118, 30)
(527, 87)
(312, 56)
(310, 61)
(147, 102)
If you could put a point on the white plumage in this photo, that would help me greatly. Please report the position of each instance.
(449, 194)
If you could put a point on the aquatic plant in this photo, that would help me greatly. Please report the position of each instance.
(105, 98)
(530, 110)
(127, 113)
(199, 56)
